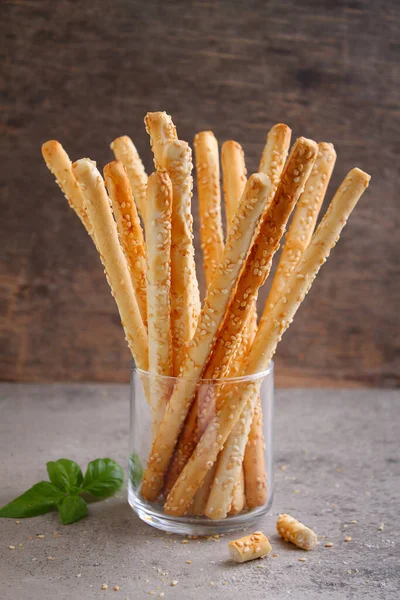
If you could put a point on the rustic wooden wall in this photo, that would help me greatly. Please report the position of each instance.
(85, 72)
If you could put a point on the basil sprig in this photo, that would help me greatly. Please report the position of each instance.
(103, 478)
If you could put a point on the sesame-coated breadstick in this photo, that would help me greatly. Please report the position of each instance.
(159, 208)
(129, 229)
(185, 297)
(304, 220)
(254, 274)
(249, 547)
(161, 130)
(99, 211)
(234, 177)
(217, 300)
(237, 501)
(275, 152)
(125, 151)
(209, 194)
(199, 503)
(59, 163)
(255, 473)
(268, 336)
(295, 532)
(258, 265)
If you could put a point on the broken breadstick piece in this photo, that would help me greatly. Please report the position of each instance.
(125, 151)
(249, 547)
(209, 194)
(295, 532)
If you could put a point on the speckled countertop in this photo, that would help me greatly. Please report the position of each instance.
(337, 470)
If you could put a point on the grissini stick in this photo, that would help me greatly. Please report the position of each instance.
(59, 163)
(234, 177)
(116, 269)
(217, 300)
(238, 494)
(185, 297)
(267, 339)
(275, 152)
(199, 503)
(209, 194)
(161, 130)
(129, 229)
(272, 163)
(255, 472)
(125, 151)
(254, 274)
(158, 243)
(304, 220)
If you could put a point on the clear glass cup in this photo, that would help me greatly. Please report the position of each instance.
(252, 483)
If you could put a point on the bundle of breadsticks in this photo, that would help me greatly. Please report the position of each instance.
(207, 453)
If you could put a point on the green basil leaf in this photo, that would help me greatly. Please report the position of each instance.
(135, 470)
(38, 500)
(65, 474)
(72, 509)
(103, 477)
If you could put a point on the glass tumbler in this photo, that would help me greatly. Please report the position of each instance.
(215, 474)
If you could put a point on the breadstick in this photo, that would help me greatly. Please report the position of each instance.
(272, 163)
(159, 208)
(249, 547)
(275, 152)
(237, 502)
(253, 276)
(304, 220)
(58, 163)
(295, 532)
(129, 229)
(199, 503)
(161, 130)
(185, 297)
(218, 296)
(209, 194)
(99, 211)
(125, 151)
(267, 339)
(234, 177)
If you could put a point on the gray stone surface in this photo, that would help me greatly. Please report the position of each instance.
(337, 460)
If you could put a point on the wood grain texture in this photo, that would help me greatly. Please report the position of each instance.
(87, 74)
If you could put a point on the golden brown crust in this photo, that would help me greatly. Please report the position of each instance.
(59, 164)
(295, 532)
(237, 502)
(209, 195)
(185, 297)
(116, 269)
(129, 229)
(125, 151)
(217, 300)
(234, 177)
(161, 130)
(275, 152)
(304, 220)
(159, 208)
(255, 473)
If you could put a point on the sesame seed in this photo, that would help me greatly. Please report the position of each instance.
(104, 586)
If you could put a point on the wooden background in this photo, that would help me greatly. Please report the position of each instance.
(86, 72)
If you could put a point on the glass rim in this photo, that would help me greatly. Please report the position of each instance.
(219, 380)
